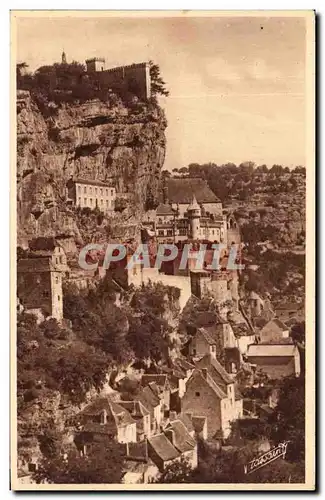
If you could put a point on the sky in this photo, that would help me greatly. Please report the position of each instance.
(237, 84)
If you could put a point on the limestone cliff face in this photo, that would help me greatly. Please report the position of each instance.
(94, 140)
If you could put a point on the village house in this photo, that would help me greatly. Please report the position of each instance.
(139, 468)
(151, 401)
(171, 445)
(160, 386)
(91, 194)
(225, 381)
(276, 361)
(104, 418)
(210, 393)
(141, 416)
(274, 331)
(212, 340)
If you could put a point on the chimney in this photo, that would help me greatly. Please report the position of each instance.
(169, 433)
(103, 417)
(172, 415)
(204, 373)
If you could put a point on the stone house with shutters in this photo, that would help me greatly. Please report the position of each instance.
(104, 418)
(160, 386)
(211, 393)
(212, 340)
(141, 415)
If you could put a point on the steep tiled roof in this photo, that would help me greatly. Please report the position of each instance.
(163, 447)
(182, 440)
(183, 417)
(183, 190)
(280, 324)
(216, 388)
(164, 209)
(147, 398)
(135, 408)
(116, 415)
(269, 350)
(213, 366)
(92, 183)
(184, 364)
(293, 306)
(159, 379)
(212, 333)
(198, 374)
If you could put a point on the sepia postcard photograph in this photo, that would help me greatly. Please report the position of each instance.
(162, 250)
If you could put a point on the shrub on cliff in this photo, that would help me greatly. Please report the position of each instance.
(158, 86)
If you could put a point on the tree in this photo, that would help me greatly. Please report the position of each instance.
(103, 464)
(157, 83)
(183, 170)
(298, 332)
(277, 170)
(176, 473)
(289, 422)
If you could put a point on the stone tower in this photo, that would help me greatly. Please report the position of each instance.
(194, 215)
(63, 58)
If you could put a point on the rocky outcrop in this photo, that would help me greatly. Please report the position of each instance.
(92, 140)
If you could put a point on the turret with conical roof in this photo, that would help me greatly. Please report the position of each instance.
(63, 57)
(194, 214)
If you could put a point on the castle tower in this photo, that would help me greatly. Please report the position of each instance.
(95, 64)
(63, 58)
(194, 214)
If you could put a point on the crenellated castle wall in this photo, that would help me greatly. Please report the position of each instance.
(134, 78)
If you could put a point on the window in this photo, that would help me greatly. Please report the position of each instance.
(197, 394)
(56, 280)
(101, 202)
(107, 203)
(91, 201)
(101, 192)
(169, 232)
(106, 192)
(95, 190)
(160, 232)
(90, 190)
(112, 192)
(85, 201)
(79, 201)
(85, 189)
(46, 293)
(79, 189)
(213, 231)
(59, 298)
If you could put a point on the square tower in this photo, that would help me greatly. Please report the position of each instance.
(95, 64)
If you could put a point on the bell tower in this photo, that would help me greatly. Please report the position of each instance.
(63, 58)
(194, 215)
